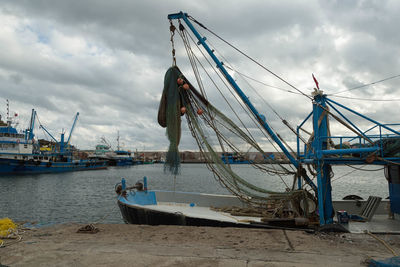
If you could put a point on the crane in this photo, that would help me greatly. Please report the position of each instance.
(61, 142)
(72, 128)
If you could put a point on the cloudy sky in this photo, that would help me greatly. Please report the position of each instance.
(107, 59)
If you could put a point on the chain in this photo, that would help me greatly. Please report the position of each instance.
(172, 31)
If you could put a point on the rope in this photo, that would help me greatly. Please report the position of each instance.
(172, 31)
(366, 99)
(244, 107)
(250, 58)
(382, 242)
(280, 78)
(260, 82)
(187, 46)
(365, 85)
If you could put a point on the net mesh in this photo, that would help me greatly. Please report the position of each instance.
(204, 118)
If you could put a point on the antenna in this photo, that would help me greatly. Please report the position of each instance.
(8, 114)
(117, 140)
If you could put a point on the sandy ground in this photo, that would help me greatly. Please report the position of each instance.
(142, 245)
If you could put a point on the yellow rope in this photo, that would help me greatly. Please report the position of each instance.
(8, 230)
(383, 242)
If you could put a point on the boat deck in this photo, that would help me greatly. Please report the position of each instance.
(380, 224)
(201, 207)
(201, 212)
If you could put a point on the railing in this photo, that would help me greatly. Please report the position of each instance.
(357, 147)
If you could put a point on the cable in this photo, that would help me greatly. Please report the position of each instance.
(382, 242)
(250, 58)
(365, 85)
(366, 99)
(260, 82)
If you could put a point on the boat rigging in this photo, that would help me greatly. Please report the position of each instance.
(309, 194)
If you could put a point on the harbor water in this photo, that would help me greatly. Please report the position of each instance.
(89, 197)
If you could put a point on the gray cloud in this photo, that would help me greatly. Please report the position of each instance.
(107, 60)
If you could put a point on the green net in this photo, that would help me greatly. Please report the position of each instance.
(169, 116)
(202, 118)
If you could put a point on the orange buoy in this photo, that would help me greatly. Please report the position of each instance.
(183, 110)
(180, 81)
(200, 111)
(186, 86)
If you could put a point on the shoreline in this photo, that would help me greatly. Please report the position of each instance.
(144, 245)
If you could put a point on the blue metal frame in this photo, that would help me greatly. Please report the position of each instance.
(319, 155)
(245, 99)
(72, 128)
(29, 132)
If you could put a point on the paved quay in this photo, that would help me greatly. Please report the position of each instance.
(143, 245)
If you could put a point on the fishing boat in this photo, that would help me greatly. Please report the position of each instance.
(21, 154)
(233, 158)
(306, 200)
(117, 157)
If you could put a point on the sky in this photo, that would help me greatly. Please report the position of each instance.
(107, 60)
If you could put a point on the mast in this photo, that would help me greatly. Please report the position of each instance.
(245, 99)
(117, 140)
(32, 125)
(72, 128)
(8, 114)
(320, 144)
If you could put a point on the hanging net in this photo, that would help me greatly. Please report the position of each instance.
(180, 98)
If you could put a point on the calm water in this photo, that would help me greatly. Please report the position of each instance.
(89, 197)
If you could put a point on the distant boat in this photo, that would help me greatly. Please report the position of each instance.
(117, 157)
(233, 158)
(21, 154)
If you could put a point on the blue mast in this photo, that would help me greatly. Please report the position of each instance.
(41, 126)
(320, 143)
(245, 99)
(72, 128)
(29, 133)
(324, 193)
(318, 152)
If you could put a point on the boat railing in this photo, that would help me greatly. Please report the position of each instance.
(381, 143)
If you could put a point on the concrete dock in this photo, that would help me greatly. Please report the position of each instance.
(143, 245)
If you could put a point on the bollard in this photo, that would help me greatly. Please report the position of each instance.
(145, 184)
(123, 183)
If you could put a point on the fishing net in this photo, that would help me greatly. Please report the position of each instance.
(169, 116)
(181, 97)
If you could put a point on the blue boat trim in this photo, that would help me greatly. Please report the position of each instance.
(21, 154)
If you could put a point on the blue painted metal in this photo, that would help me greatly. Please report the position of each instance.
(245, 99)
(123, 183)
(350, 150)
(231, 158)
(394, 195)
(18, 161)
(145, 184)
(392, 173)
(72, 128)
(320, 143)
(10, 130)
(139, 198)
(30, 134)
(350, 122)
(62, 143)
(318, 154)
(22, 167)
(365, 117)
(41, 126)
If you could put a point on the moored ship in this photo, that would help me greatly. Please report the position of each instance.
(21, 154)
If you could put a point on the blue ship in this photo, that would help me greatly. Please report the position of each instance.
(21, 154)
(233, 158)
(117, 157)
